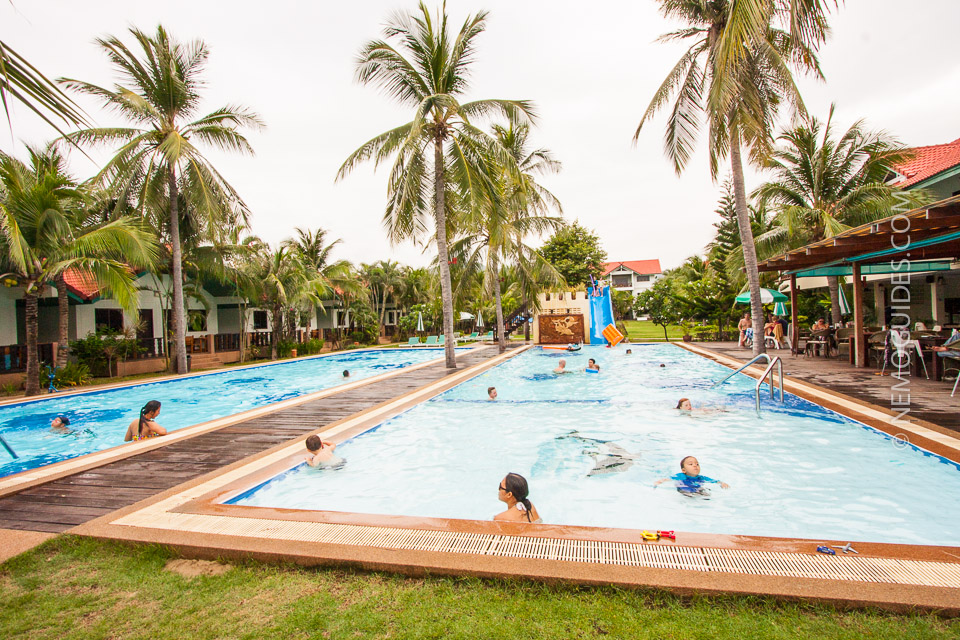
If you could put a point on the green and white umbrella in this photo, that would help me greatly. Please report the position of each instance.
(479, 321)
(844, 305)
(767, 296)
(780, 309)
(419, 321)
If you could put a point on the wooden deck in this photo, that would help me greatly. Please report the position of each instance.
(928, 399)
(76, 499)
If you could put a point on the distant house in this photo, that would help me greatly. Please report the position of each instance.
(935, 168)
(632, 275)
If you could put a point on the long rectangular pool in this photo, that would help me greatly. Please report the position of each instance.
(593, 445)
(99, 419)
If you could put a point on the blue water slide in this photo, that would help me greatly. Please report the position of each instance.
(601, 314)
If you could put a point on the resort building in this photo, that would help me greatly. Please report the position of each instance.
(935, 168)
(633, 275)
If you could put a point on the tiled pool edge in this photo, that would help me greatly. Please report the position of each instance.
(202, 532)
(932, 437)
(41, 475)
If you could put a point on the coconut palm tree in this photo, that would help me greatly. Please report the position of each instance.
(518, 209)
(21, 81)
(41, 240)
(735, 75)
(440, 150)
(158, 165)
(313, 251)
(823, 185)
(383, 280)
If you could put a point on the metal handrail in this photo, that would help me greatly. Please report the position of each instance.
(768, 371)
(8, 448)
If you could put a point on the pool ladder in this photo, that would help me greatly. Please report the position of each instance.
(766, 372)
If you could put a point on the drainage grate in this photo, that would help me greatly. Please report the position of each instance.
(792, 565)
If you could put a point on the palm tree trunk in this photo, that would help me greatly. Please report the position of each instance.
(501, 334)
(749, 248)
(526, 323)
(440, 215)
(179, 328)
(32, 385)
(275, 330)
(63, 306)
(833, 284)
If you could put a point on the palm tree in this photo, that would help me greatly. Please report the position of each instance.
(735, 75)
(439, 151)
(41, 240)
(282, 284)
(383, 280)
(313, 251)
(24, 83)
(518, 209)
(158, 164)
(823, 185)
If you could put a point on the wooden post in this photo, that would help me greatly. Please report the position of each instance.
(861, 348)
(795, 336)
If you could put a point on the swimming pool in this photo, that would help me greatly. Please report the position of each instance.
(99, 419)
(592, 447)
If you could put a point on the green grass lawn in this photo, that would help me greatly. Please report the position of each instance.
(646, 331)
(81, 588)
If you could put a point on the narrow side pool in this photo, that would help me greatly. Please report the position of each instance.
(99, 419)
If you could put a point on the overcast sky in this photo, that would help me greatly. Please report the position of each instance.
(591, 73)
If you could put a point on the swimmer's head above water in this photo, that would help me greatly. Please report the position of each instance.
(492, 393)
(684, 404)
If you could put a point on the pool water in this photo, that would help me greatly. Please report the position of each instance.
(99, 419)
(592, 447)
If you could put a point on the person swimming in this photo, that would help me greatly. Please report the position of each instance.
(320, 453)
(492, 393)
(60, 424)
(145, 426)
(513, 491)
(561, 367)
(346, 373)
(689, 481)
(592, 365)
(629, 352)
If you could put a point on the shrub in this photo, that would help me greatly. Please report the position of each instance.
(73, 374)
(9, 389)
(99, 351)
(312, 346)
(285, 347)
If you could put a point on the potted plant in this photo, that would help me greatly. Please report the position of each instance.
(687, 328)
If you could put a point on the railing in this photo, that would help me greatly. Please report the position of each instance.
(13, 357)
(261, 339)
(767, 372)
(226, 342)
(148, 348)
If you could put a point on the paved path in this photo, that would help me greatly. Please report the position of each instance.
(64, 503)
(928, 399)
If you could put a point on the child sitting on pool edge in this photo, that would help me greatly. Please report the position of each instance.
(689, 481)
(320, 453)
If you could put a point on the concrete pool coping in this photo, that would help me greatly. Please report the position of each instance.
(41, 475)
(193, 518)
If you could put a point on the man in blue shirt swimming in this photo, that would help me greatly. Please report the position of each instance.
(689, 480)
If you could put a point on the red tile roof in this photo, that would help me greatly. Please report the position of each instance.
(643, 267)
(81, 283)
(929, 161)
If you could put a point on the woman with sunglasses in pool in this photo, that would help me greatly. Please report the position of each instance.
(513, 490)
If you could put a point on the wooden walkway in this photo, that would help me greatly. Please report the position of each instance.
(72, 500)
(928, 399)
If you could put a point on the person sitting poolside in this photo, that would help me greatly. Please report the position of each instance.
(561, 367)
(514, 491)
(145, 426)
(689, 481)
(320, 453)
(592, 365)
(492, 393)
(60, 425)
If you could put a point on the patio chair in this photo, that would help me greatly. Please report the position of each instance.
(431, 341)
(487, 336)
(473, 336)
(877, 345)
(413, 342)
(777, 338)
(818, 340)
(844, 341)
(442, 340)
